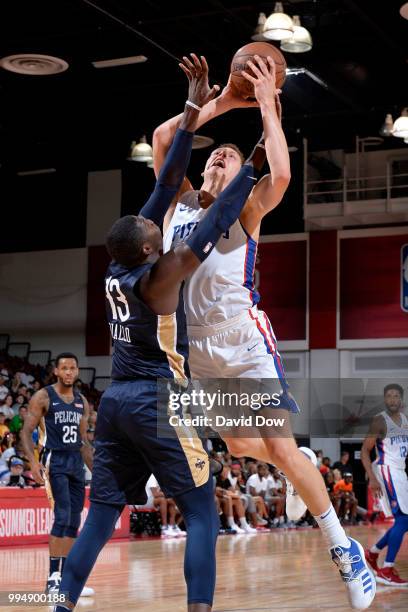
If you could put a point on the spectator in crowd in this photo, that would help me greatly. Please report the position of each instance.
(22, 390)
(15, 383)
(4, 390)
(3, 427)
(167, 508)
(329, 481)
(20, 401)
(336, 475)
(36, 386)
(325, 466)
(223, 482)
(275, 497)
(343, 465)
(17, 421)
(25, 378)
(7, 406)
(250, 468)
(257, 485)
(319, 458)
(14, 477)
(232, 481)
(345, 502)
(254, 505)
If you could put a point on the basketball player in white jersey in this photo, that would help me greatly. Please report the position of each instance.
(388, 480)
(228, 336)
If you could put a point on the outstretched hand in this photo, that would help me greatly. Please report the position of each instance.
(264, 82)
(232, 97)
(196, 70)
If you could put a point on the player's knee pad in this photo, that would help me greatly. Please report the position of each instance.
(62, 519)
(72, 529)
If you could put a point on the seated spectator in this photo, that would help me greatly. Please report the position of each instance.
(345, 502)
(319, 458)
(325, 466)
(17, 421)
(26, 379)
(20, 401)
(275, 498)
(167, 508)
(36, 386)
(257, 486)
(7, 406)
(4, 390)
(250, 468)
(231, 483)
(336, 475)
(329, 482)
(343, 465)
(3, 427)
(14, 477)
(254, 505)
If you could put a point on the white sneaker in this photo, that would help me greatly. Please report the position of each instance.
(179, 532)
(295, 506)
(248, 529)
(168, 532)
(87, 592)
(261, 521)
(237, 529)
(356, 575)
(53, 582)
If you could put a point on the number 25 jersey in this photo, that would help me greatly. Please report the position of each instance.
(62, 422)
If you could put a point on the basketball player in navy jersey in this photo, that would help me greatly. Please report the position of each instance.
(148, 329)
(64, 413)
(228, 336)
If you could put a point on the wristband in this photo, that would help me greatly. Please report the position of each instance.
(195, 106)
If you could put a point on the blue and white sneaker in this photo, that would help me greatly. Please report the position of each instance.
(354, 572)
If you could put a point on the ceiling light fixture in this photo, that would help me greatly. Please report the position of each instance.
(34, 64)
(388, 126)
(401, 125)
(141, 151)
(278, 25)
(258, 34)
(299, 41)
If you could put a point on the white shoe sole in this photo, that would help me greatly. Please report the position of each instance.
(374, 586)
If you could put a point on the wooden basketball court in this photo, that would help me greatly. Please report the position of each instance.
(282, 570)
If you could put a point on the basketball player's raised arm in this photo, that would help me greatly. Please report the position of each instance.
(37, 407)
(377, 430)
(177, 159)
(160, 286)
(87, 450)
(267, 194)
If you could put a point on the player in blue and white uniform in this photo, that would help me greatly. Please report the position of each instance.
(388, 480)
(229, 336)
(64, 414)
(150, 342)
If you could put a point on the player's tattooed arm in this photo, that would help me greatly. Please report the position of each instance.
(37, 408)
(87, 449)
(377, 430)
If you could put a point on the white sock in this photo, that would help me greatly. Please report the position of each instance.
(375, 550)
(386, 564)
(243, 522)
(332, 531)
(230, 521)
(281, 519)
(276, 521)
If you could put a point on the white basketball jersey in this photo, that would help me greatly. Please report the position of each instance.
(223, 285)
(393, 448)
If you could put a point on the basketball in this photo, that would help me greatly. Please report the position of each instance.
(239, 63)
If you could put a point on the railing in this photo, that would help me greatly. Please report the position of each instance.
(347, 189)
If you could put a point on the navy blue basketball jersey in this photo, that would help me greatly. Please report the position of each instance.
(145, 345)
(62, 422)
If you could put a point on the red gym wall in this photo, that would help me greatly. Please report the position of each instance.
(368, 293)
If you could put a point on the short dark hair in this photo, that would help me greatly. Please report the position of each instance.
(124, 241)
(65, 356)
(233, 146)
(394, 387)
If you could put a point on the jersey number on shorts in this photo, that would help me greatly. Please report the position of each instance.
(118, 302)
(70, 434)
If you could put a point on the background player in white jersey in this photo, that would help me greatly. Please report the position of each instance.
(388, 480)
(228, 336)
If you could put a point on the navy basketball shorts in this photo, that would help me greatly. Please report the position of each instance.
(66, 476)
(128, 449)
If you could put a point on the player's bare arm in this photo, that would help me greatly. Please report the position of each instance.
(164, 133)
(268, 193)
(377, 430)
(87, 450)
(37, 408)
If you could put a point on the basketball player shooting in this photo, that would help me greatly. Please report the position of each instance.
(228, 336)
(149, 338)
(388, 480)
